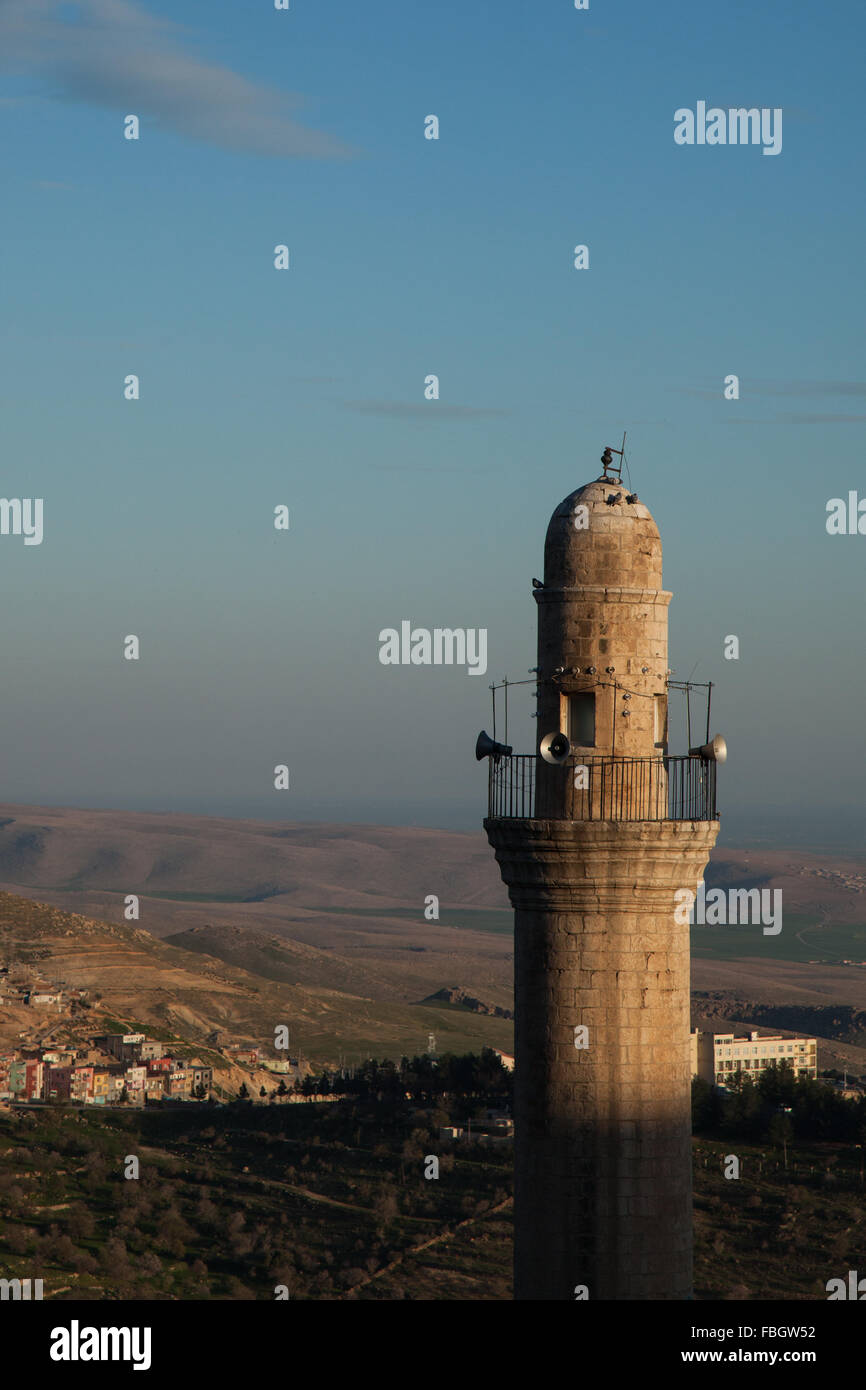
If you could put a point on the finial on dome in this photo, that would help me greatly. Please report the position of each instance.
(612, 471)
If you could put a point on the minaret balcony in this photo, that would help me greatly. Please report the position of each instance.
(523, 786)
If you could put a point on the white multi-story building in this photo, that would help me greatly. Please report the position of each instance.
(717, 1056)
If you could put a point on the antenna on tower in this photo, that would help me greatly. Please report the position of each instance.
(613, 471)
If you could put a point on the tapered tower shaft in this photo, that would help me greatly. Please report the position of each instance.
(603, 1076)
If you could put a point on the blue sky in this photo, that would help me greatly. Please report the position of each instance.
(305, 387)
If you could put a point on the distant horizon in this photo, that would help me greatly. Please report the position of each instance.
(830, 829)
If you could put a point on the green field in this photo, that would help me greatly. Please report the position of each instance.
(500, 921)
(176, 896)
(392, 1030)
(801, 939)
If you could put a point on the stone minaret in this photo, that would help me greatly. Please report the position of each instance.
(592, 859)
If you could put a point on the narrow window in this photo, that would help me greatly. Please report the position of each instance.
(581, 719)
(661, 721)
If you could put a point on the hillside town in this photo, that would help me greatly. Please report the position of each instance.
(119, 1068)
(854, 882)
(122, 1068)
(130, 1068)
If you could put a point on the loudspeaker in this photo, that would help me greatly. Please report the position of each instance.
(486, 747)
(715, 752)
(555, 748)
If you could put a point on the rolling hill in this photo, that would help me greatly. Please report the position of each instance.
(332, 920)
(190, 996)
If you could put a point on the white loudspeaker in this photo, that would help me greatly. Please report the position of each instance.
(554, 748)
(715, 752)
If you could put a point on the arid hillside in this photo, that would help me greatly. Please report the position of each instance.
(344, 912)
(164, 990)
(310, 905)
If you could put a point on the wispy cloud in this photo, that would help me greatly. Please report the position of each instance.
(756, 386)
(428, 411)
(797, 419)
(808, 388)
(426, 468)
(789, 417)
(313, 380)
(112, 53)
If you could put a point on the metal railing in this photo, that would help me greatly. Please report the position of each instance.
(524, 786)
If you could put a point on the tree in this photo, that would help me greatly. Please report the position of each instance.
(282, 1089)
(781, 1132)
(706, 1106)
(744, 1108)
(60, 1250)
(243, 1093)
(114, 1258)
(386, 1208)
(79, 1222)
(173, 1234)
(240, 1240)
(263, 1093)
(416, 1145)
